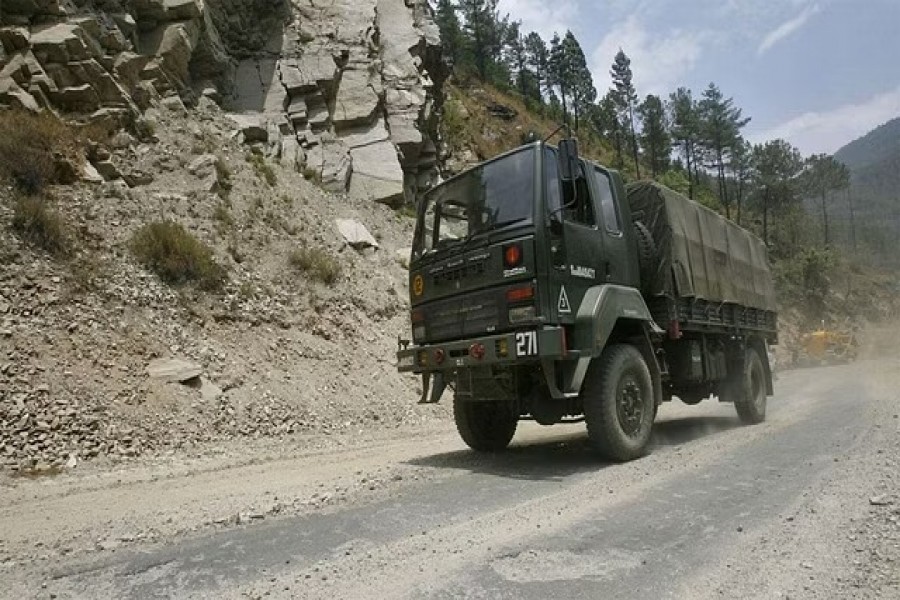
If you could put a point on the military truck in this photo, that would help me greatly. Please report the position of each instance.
(543, 288)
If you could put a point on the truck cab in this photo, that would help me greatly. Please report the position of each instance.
(525, 300)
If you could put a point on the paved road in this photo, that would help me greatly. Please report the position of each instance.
(545, 520)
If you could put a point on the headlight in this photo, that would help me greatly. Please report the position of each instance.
(521, 314)
(419, 333)
(406, 361)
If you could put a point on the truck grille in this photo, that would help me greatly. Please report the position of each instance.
(472, 314)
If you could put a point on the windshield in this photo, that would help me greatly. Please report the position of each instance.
(487, 197)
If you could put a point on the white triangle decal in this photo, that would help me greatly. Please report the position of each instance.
(563, 305)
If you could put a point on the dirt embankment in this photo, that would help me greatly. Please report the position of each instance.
(281, 351)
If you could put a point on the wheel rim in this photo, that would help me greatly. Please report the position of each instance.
(630, 406)
(756, 387)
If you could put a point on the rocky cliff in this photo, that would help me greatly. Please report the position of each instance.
(345, 91)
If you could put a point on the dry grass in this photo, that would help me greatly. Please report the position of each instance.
(168, 250)
(40, 225)
(37, 150)
(262, 169)
(316, 264)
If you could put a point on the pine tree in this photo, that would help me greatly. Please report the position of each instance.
(823, 174)
(655, 139)
(484, 33)
(536, 54)
(720, 129)
(559, 77)
(605, 122)
(776, 165)
(517, 58)
(582, 82)
(451, 33)
(625, 97)
(685, 131)
(740, 165)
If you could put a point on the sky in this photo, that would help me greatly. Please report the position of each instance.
(817, 73)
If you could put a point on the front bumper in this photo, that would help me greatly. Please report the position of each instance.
(515, 347)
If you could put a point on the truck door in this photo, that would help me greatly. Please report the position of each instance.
(617, 263)
(580, 265)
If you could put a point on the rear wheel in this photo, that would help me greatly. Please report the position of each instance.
(485, 426)
(747, 389)
(619, 406)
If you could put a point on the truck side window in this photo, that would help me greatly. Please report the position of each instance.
(577, 198)
(607, 203)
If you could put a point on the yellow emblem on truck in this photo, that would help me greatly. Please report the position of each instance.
(418, 285)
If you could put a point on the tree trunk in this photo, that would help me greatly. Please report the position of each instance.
(825, 220)
(688, 164)
(852, 221)
(634, 148)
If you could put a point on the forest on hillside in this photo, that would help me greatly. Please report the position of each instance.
(804, 207)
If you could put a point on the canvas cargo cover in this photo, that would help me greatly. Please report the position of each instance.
(701, 254)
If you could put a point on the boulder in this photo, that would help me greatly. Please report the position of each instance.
(355, 234)
(127, 69)
(308, 74)
(174, 370)
(16, 70)
(15, 39)
(108, 170)
(181, 10)
(15, 96)
(203, 165)
(59, 43)
(174, 44)
(335, 166)
(77, 98)
(357, 99)
(90, 174)
(377, 174)
(108, 90)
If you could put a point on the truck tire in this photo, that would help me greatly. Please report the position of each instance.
(646, 251)
(619, 403)
(485, 426)
(747, 389)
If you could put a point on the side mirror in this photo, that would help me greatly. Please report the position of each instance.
(568, 159)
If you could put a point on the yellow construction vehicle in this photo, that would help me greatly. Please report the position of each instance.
(827, 345)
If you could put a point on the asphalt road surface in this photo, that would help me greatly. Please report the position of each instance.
(717, 510)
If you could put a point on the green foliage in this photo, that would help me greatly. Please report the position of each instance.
(317, 264)
(177, 257)
(454, 123)
(675, 180)
(447, 20)
(262, 169)
(223, 217)
(655, 139)
(807, 276)
(624, 98)
(37, 150)
(720, 131)
(40, 225)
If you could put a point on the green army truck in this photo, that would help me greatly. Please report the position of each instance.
(543, 288)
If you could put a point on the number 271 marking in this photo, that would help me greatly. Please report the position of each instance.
(526, 343)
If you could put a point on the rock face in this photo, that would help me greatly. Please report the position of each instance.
(346, 91)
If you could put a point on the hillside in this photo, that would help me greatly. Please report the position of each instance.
(480, 121)
(874, 162)
(877, 146)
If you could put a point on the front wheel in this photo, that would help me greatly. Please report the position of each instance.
(485, 426)
(619, 403)
(747, 389)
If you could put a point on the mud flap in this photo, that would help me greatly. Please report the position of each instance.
(436, 390)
